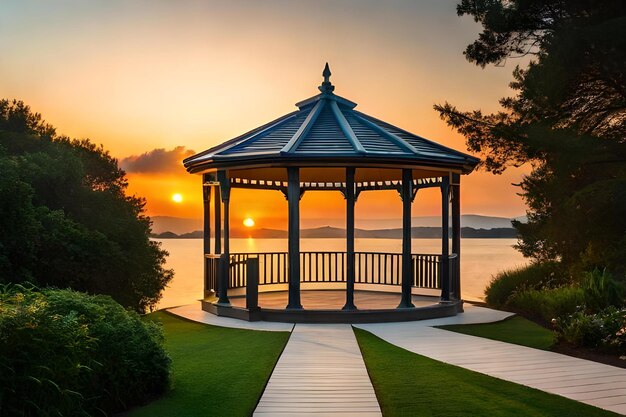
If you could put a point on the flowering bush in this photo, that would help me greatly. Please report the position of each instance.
(605, 329)
(618, 340)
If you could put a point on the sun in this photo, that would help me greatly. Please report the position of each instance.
(177, 198)
(248, 222)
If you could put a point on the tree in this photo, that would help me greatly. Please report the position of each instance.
(66, 219)
(567, 121)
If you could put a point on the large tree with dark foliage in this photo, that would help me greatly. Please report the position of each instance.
(65, 218)
(567, 121)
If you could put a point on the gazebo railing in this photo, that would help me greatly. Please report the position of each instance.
(427, 271)
(380, 268)
(377, 268)
(322, 266)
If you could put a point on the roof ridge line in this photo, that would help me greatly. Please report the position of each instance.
(346, 128)
(429, 141)
(304, 128)
(251, 134)
(389, 135)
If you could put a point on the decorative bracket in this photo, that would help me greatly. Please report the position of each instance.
(224, 182)
(413, 190)
(357, 192)
(446, 189)
(286, 195)
(344, 191)
(210, 178)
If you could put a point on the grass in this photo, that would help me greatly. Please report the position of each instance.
(216, 371)
(408, 384)
(516, 330)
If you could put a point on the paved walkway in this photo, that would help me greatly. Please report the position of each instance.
(590, 382)
(321, 372)
(194, 312)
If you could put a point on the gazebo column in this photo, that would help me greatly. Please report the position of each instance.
(206, 200)
(350, 201)
(456, 231)
(407, 261)
(206, 205)
(293, 201)
(224, 269)
(445, 236)
(217, 210)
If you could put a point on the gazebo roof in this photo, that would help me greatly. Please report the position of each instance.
(327, 128)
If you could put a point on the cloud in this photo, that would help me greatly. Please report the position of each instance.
(157, 160)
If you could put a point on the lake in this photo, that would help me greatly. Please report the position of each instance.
(481, 259)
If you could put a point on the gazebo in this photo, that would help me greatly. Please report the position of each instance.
(327, 145)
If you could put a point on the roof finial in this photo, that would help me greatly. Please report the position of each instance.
(326, 86)
(326, 73)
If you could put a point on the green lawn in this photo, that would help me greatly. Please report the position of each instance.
(408, 384)
(217, 371)
(516, 330)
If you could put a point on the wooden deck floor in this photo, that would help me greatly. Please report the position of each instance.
(590, 382)
(321, 372)
(334, 300)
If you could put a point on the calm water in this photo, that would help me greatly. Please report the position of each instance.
(481, 258)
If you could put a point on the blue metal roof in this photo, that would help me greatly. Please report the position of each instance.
(326, 127)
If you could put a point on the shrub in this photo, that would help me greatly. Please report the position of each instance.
(547, 304)
(67, 353)
(602, 290)
(533, 276)
(605, 329)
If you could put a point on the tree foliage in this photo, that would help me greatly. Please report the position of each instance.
(66, 220)
(567, 121)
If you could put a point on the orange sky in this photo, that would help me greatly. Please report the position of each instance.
(149, 74)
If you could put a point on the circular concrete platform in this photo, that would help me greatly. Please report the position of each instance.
(334, 300)
(325, 306)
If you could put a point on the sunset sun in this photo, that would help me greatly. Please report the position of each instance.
(248, 222)
(177, 198)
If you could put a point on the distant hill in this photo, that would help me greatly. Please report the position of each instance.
(181, 225)
(475, 221)
(328, 232)
(192, 235)
(170, 235)
(178, 225)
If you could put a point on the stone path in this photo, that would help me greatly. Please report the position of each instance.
(321, 372)
(590, 382)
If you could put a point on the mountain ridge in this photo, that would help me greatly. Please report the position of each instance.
(182, 225)
(328, 232)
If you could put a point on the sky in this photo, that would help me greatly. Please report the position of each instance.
(155, 81)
